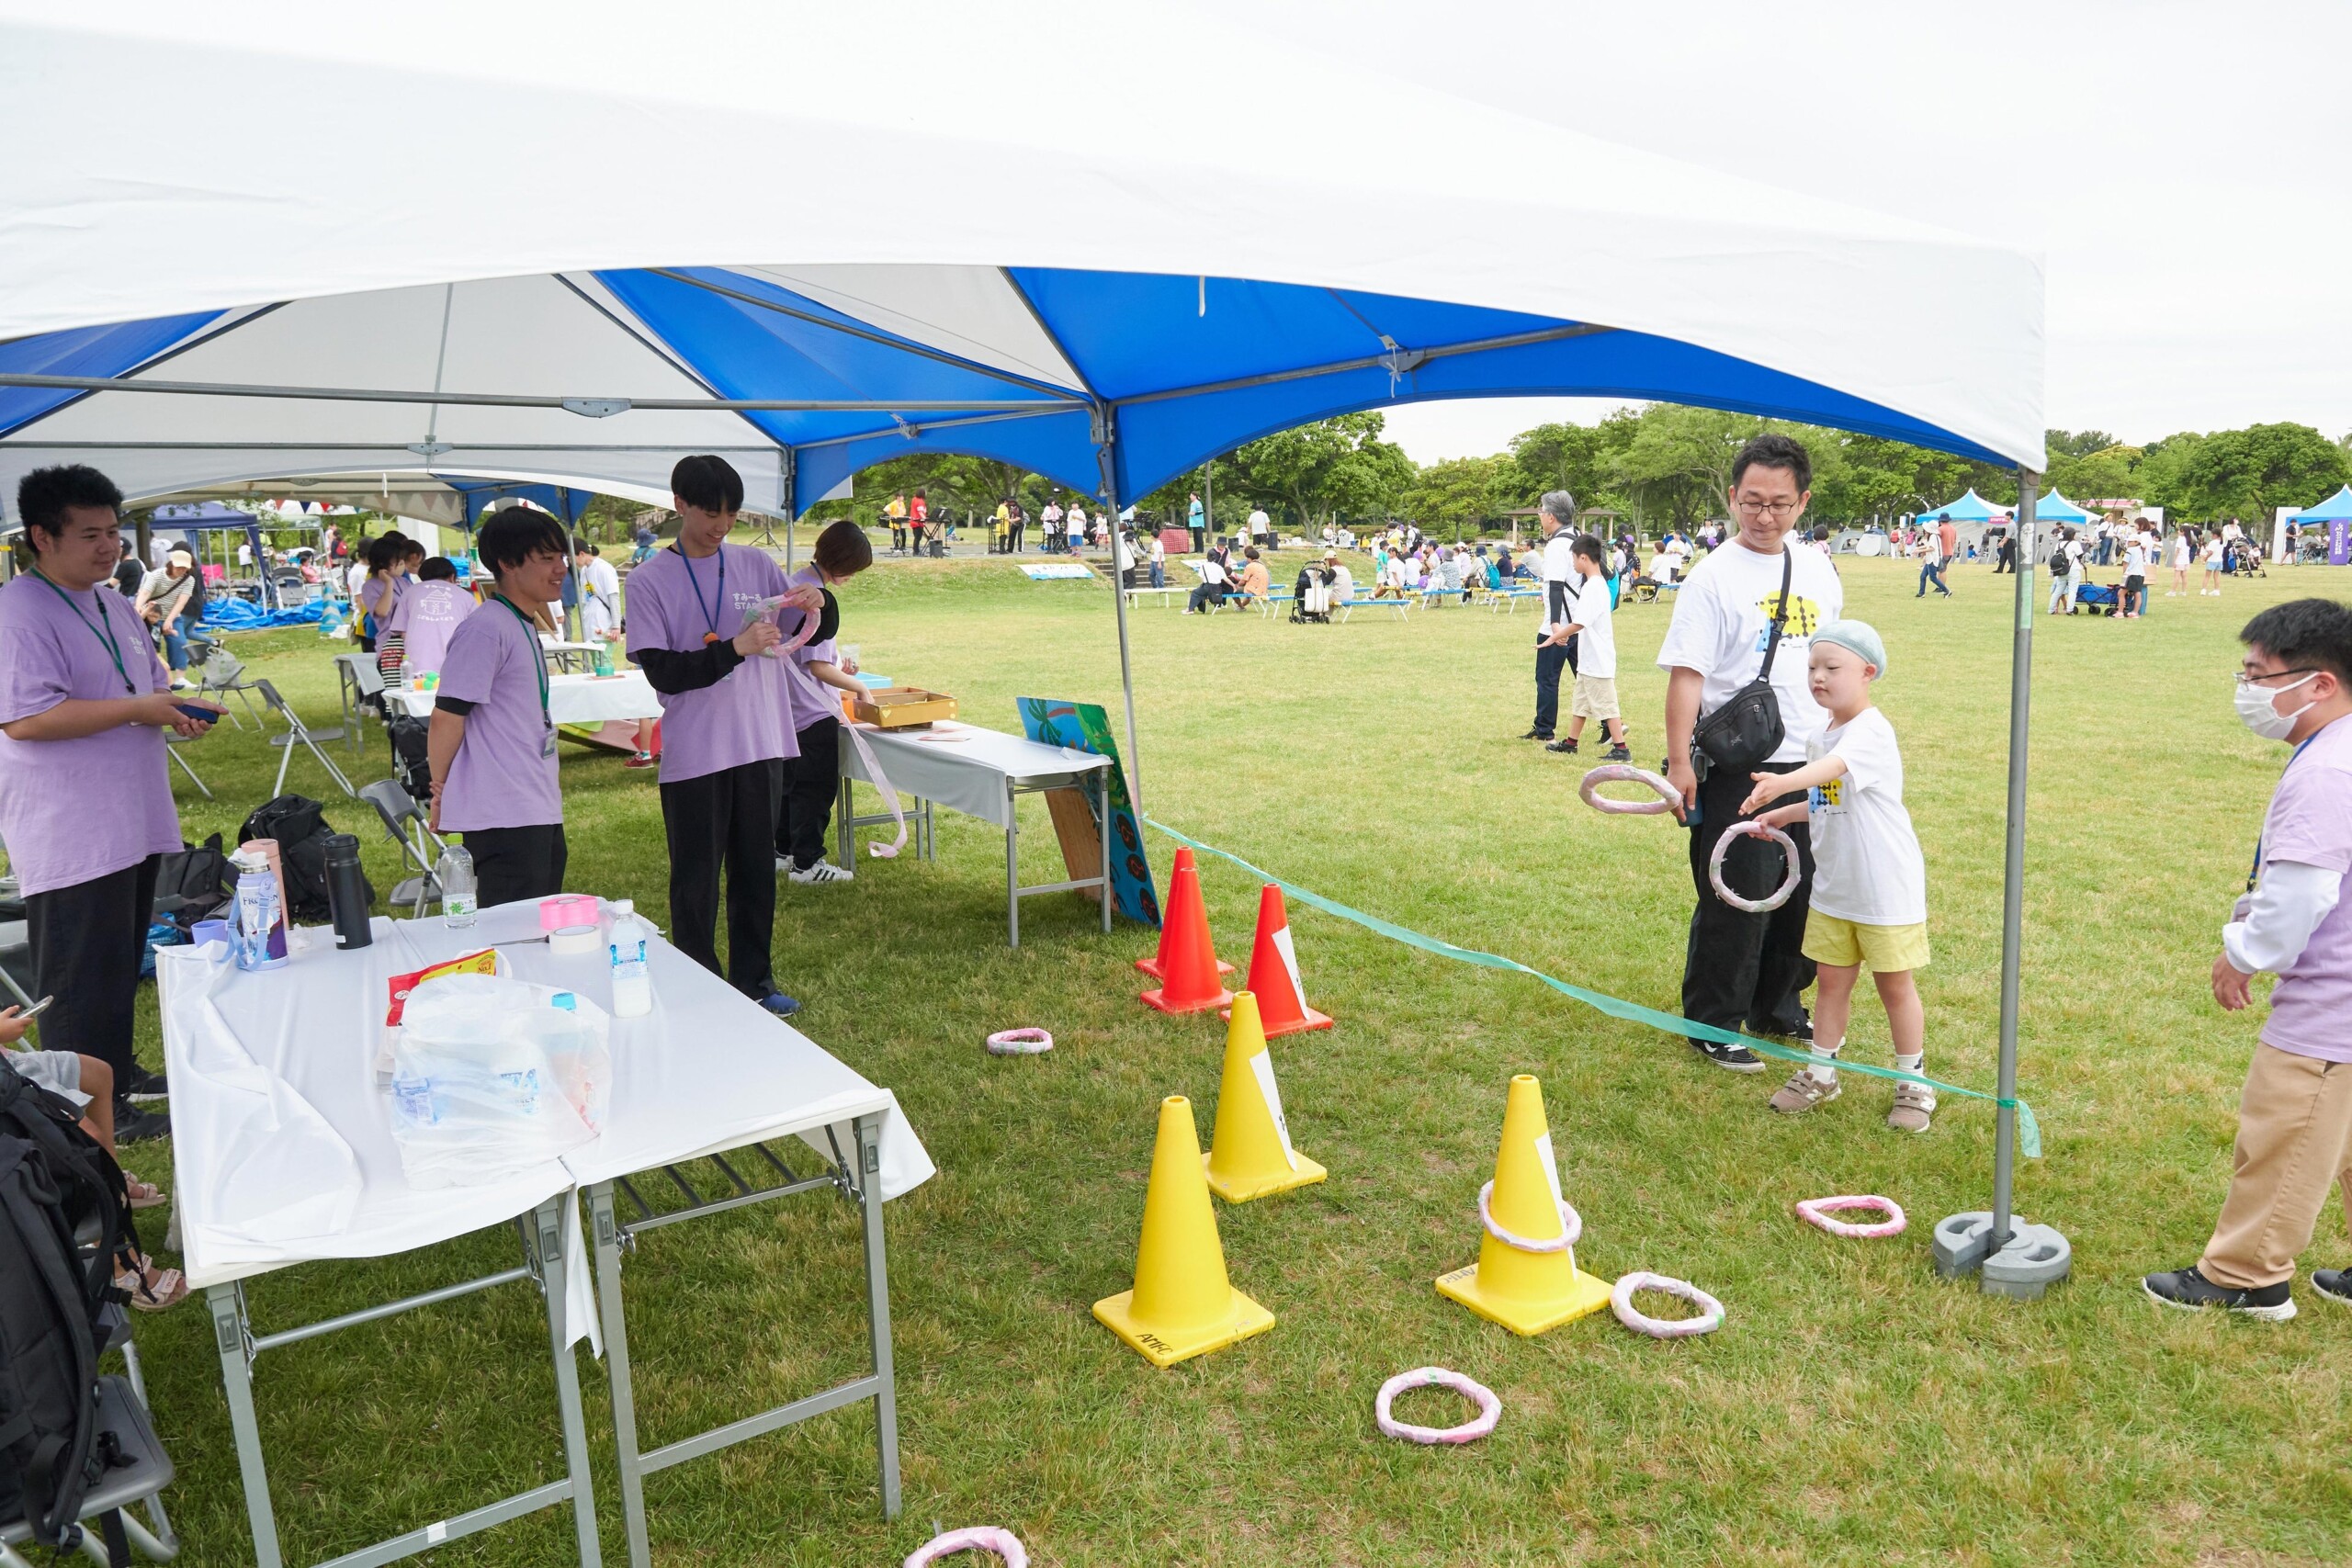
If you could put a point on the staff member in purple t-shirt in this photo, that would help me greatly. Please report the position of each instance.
(813, 778)
(492, 742)
(86, 803)
(726, 733)
(2295, 1116)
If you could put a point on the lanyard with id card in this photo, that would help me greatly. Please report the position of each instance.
(539, 664)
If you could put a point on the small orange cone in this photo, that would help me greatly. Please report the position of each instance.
(1187, 963)
(1526, 1291)
(1182, 1305)
(1250, 1154)
(1185, 906)
(1274, 972)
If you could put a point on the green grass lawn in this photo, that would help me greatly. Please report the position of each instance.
(1853, 1408)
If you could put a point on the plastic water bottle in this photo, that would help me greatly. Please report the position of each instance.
(455, 873)
(632, 986)
(259, 933)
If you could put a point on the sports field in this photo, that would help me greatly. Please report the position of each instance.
(1853, 1409)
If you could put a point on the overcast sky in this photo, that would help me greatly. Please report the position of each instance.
(2183, 168)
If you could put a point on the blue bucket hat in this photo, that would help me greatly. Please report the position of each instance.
(1856, 637)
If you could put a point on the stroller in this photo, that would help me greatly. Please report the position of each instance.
(2241, 558)
(2095, 598)
(1311, 597)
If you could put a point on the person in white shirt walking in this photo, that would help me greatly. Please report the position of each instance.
(1752, 599)
(1870, 887)
(1259, 525)
(1590, 624)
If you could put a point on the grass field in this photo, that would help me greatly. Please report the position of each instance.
(1853, 1409)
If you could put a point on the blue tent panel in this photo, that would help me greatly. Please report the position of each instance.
(2057, 508)
(2334, 508)
(1969, 508)
(187, 517)
(85, 350)
(567, 502)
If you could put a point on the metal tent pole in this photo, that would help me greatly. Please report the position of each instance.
(786, 478)
(2014, 1259)
(1106, 440)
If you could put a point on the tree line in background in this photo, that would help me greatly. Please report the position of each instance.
(1654, 467)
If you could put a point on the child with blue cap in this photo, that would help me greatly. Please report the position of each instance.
(1870, 887)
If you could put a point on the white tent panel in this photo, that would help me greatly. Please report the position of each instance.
(971, 311)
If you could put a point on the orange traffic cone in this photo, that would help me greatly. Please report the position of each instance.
(1250, 1154)
(1182, 1305)
(1529, 1283)
(1187, 966)
(1274, 972)
(1183, 907)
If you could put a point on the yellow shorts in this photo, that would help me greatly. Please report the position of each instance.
(1594, 696)
(1886, 949)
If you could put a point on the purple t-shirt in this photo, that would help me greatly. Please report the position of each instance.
(426, 619)
(672, 602)
(2310, 821)
(503, 774)
(72, 811)
(812, 700)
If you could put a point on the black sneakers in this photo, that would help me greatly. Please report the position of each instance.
(1731, 1058)
(1617, 754)
(2333, 1285)
(1537, 735)
(1565, 747)
(132, 1125)
(141, 1085)
(2191, 1291)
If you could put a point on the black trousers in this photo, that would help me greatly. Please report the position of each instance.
(1207, 594)
(1745, 971)
(811, 780)
(516, 863)
(726, 818)
(1549, 662)
(86, 942)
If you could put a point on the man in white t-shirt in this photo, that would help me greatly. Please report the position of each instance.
(1747, 971)
(1259, 524)
(1594, 628)
(600, 593)
(1555, 640)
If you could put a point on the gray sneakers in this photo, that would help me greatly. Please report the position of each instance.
(1913, 1104)
(1802, 1093)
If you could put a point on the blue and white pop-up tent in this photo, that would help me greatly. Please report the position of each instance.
(2057, 508)
(1969, 508)
(2335, 508)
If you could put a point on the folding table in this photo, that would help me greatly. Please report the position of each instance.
(983, 774)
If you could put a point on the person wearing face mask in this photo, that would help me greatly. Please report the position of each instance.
(2295, 1116)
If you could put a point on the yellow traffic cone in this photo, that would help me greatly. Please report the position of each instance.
(1526, 1291)
(1250, 1154)
(1183, 1304)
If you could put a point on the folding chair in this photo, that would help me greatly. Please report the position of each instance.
(172, 741)
(297, 735)
(144, 1472)
(405, 824)
(360, 680)
(223, 675)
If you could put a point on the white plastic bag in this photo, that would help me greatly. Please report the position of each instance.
(490, 1077)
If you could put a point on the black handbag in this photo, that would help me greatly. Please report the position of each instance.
(1746, 730)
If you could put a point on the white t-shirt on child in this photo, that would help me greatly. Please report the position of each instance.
(1866, 865)
(1597, 643)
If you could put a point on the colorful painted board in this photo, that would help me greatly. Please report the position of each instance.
(1084, 726)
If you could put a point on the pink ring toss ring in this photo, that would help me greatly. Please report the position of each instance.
(1816, 1212)
(1618, 772)
(1571, 1226)
(999, 1543)
(1490, 1407)
(1789, 854)
(1620, 1302)
(1020, 1043)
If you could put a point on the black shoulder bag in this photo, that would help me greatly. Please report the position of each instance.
(1746, 730)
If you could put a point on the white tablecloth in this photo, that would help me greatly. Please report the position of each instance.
(578, 699)
(282, 1134)
(970, 774)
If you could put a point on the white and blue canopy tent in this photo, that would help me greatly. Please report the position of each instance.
(807, 259)
(1969, 508)
(2056, 508)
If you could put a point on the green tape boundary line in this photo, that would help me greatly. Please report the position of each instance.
(2029, 1128)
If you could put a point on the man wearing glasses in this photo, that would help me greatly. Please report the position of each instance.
(2295, 1116)
(1747, 971)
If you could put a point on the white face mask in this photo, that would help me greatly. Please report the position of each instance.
(2258, 711)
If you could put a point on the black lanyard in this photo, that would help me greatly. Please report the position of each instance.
(538, 657)
(103, 630)
(709, 615)
(2254, 872)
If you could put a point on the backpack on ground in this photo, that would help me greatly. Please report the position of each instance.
(298, 824)
(193, 884)
(64, 1221)
(410, 763)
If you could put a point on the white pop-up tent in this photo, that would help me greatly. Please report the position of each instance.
(570, 251)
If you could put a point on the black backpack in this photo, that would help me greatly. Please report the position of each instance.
(411, 764)
(58, 1188)
(300, 826)
(193, 884)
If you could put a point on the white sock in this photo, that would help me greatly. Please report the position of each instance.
(1824, 1067)
(1910, 1064)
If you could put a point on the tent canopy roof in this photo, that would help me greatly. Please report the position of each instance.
(2339, 505)
(1275, 267)
(1969, 508)
(2057, 508)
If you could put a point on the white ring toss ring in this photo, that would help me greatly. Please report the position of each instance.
(1020, 1043)
(1000, 1543)
(1618, 772)
(1490, 1407)
(1571, 1226)
(1620, 1302)
(1789, 853)
(1816, 1212)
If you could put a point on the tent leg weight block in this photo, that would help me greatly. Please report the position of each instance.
(2036, 1257)
(1962, 1242)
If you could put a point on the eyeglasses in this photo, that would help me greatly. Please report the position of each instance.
(1778, 509)
(2247, 678)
